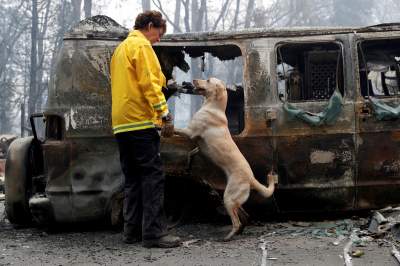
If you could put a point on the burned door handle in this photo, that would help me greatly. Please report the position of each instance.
(365, 111)
(271, 115)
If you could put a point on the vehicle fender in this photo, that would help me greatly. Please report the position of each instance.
(18, 181)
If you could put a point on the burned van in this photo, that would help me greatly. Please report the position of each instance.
(320, 106)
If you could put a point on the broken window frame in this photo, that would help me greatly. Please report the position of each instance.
(190, 50)
(361, 59)
(340, 69)
(54, 128)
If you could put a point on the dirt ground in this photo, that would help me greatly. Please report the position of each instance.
(286, 243)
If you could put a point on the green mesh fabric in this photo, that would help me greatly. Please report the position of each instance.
(383, 111)
(327, 117)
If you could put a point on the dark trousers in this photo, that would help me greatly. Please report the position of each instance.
(144, 183)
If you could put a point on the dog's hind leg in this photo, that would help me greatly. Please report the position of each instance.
(243, 216)
(232, 210)
(235, 195)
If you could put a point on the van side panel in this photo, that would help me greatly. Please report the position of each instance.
(316, 163)
(378, 141)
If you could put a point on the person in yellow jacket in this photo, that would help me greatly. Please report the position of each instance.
(138, 108)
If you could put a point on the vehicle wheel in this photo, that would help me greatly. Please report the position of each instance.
(18, 181)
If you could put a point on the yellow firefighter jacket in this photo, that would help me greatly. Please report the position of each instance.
(136, 82)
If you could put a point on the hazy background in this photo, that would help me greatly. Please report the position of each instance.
(31, 33)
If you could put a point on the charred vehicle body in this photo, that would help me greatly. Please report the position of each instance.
(318, 105)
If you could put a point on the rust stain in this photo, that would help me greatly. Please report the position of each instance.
(396, 135)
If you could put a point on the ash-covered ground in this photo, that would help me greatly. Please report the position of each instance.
(299, 242)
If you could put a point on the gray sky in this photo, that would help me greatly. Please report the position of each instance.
(124, 12)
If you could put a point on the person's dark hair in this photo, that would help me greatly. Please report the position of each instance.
(150, 16)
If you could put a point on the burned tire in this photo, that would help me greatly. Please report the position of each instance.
(18, 181)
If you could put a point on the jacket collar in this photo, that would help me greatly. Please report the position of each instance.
(137, 34)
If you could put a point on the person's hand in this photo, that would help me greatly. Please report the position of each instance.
(167, 128)
(172, 85)
(171, 89)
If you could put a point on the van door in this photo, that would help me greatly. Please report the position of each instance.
(314, 130)
(378, 124)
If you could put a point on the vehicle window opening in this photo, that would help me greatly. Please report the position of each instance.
(379, 67)
(54, 127)
(185, 63)
(309, 71)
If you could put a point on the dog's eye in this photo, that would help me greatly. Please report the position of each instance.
(208, 80)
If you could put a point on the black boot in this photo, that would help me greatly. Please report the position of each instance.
(167, 241)
(131, 235)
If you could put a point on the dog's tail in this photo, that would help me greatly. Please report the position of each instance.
(263, 190)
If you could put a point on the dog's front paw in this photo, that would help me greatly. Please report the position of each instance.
(274, 177)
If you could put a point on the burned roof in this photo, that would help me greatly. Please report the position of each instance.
(103, 27)
(97, 27)
(276, 32)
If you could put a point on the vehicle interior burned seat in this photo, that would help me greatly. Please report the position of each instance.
(379, 67)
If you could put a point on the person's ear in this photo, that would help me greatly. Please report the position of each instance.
(149, 26)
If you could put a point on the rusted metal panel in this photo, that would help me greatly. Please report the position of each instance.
(257, 78)
(316, 171)
(175, 152)
(259, 151)
(56, 157)
(82, 177)
(378, 143)
(81, 93)
(379, 157)
(95, 175)
(378, 166)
